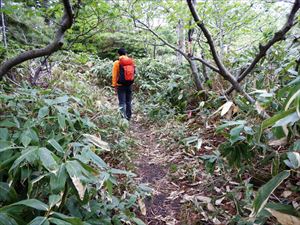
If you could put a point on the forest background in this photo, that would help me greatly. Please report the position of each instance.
(217, 81)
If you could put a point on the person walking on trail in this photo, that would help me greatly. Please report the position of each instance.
(122, 79)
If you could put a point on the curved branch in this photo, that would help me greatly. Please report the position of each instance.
(222, 70)
(278, 36)
(210, 41)
(206, 64)
(65, 24)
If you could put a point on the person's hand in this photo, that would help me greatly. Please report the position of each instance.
(116, 90)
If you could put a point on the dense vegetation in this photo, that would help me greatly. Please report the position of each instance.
(217, 80)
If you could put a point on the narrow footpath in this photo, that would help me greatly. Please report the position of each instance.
(152, 169)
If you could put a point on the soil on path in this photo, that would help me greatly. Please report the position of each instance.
(152, 169)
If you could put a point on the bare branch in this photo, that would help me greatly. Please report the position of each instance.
(160, 38)
(65, 24)
(222, 70)
(193, 66)
(206, 64)
(278, 36)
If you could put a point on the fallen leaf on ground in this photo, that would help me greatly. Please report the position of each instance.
(286, 194)
(283, 218)
(142, 206)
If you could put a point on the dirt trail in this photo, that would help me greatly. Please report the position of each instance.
(152, 169)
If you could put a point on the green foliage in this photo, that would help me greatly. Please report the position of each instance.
(51, 170)
(164, 87)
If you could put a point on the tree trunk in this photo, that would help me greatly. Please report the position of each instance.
(195, 74)
(181, 40)
(3, 27)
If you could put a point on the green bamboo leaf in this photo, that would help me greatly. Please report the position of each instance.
(61, 121)
(231, 123)
(56, 145)
(46, 157)
(293, 160)
(25, 138)
(6, 220)
(288, 120)
(4, 134)
(7, 123)
(58, 181)
(266, 190)
(124, 172)
(54, 200)
(44, 111)
(39, 221)
(95, 159)
(7, 193)
(58, 221)
(138, 221)
(271, 121)
(71, 220)
(75, 172)
(33, 203)
(29, 154)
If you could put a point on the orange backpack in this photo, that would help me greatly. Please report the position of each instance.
(127, 71)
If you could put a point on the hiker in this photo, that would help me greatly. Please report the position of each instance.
(122, 79)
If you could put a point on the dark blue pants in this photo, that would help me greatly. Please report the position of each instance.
(125, 97)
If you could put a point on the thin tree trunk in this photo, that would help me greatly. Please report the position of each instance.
(3, 27)
(181, 41)
(195, 74)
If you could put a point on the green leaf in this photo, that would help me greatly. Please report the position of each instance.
(33, 203)
(231, 123)
(75, 172)
(25, 138)
(293, 93)
(3, 134)
(7, 193)
(294, 160)
(95, 159)
(39, 221)
(6, 220)
(288, 209)
(29, 154)
(56, 145)
(118, 171)
(71, 220)
(296, 146)
(44, 111)
(5, 145)
(271, 121)
(7, 123)
(47, 160)
(266, 190)
(58, 181)
(61, 121)
(58, 221)
(53, 200)
(59, 100)
(138, 221)
(288, 120)
(28, 136)
(235, 134)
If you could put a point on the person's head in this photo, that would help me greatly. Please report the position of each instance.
(122, 51)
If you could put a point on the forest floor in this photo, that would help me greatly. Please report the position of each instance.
(151, 168)
(175, 191)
